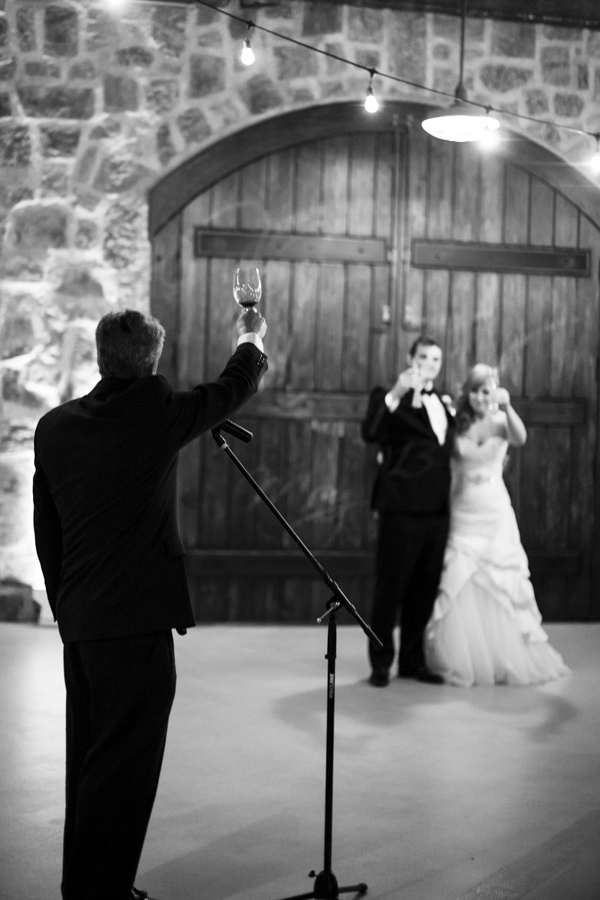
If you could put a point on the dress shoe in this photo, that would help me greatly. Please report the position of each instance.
(137, 894)
(421, 673)
(379, 678)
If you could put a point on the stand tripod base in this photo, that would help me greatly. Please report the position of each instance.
(326, 888)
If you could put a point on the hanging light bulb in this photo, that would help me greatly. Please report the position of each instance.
(247, 55)
(595, 160)
(116, 5)
(489, 137)
(461, 121)
(371, 104)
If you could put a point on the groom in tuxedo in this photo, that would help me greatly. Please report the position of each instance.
(414, 430)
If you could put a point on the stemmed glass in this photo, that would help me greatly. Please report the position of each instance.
(247, 289)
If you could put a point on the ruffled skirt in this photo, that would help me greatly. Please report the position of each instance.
(486, 627)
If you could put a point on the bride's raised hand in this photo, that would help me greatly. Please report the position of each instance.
(502, 398)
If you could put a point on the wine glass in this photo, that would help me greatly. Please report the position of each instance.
(247, 288)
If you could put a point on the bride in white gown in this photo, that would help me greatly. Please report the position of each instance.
(486, 627)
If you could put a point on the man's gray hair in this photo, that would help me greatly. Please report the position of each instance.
(128, 344)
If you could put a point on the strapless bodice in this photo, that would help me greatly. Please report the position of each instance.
(475, 463)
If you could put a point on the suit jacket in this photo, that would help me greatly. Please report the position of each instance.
(414, 473)
(105, 503)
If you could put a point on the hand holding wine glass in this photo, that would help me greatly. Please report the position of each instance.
(247, 288)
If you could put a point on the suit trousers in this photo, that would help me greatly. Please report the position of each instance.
(410, 555)
(119, 697)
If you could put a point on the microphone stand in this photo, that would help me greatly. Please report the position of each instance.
(325, 885)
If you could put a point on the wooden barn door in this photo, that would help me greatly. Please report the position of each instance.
(365, 240)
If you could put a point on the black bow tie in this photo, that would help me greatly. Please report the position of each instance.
(430, 391)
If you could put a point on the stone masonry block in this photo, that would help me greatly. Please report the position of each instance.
(513, 39)
(556, 66)
(61, 31)
(207, 75)
(57, 102)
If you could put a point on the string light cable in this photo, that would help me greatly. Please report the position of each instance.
(593, 162)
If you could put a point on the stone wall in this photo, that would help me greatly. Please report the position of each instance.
(95, 107)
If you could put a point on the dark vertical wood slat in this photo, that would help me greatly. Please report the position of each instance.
(354, 499)
(416, 224)
(280, 202)
(382, 337)
(439, 194)
(438, 296)
(516, 199)
(193, 325)
(165, 298)
(466, 191)
(252, 210)
(361, 218)
(194, 274)
(538, 337)
(383, 191)
(487, 318)
(542, 216)
(305, 281)
(272, 478)
(335, 186)
(244, 500)
(585, 502)
(558, 487)
(329, 330)
(324, 494)
(220, 335)
(298, 461)
(491, 201)
(308, 214)
(276, 308)
(224, 203)
(533, 490)
(512, 338)
(564, 298)
(459, 356)
(355, 334)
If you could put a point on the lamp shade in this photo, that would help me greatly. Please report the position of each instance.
(459, 122)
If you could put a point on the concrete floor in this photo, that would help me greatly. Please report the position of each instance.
(440, 793)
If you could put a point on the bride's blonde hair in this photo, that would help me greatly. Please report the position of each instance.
(477, 377)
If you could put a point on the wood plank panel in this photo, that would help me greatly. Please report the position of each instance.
(416, 218)
(516, 206)
(361, 212)
(165, 289)
(335, 186)
(329, 328)
(308, 214)
(305, 280)
(491, 200)
(538, 337)
(252, 204)
(460, 339)
(487, 318)
(280, 171)
(275, 306)
(466, 192)
(355, 331)
(512, 333)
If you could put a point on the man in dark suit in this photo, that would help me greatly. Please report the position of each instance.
(411, 496)
(107, 537)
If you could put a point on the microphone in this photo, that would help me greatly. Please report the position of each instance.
(234, 430)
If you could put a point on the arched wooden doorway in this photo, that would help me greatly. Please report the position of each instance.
(367, 232)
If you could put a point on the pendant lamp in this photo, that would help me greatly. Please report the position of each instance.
(461, 121)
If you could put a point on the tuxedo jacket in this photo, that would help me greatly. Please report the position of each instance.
(105, 498)
(414, 471)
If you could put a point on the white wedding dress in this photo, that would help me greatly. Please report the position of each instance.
(486, 627)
